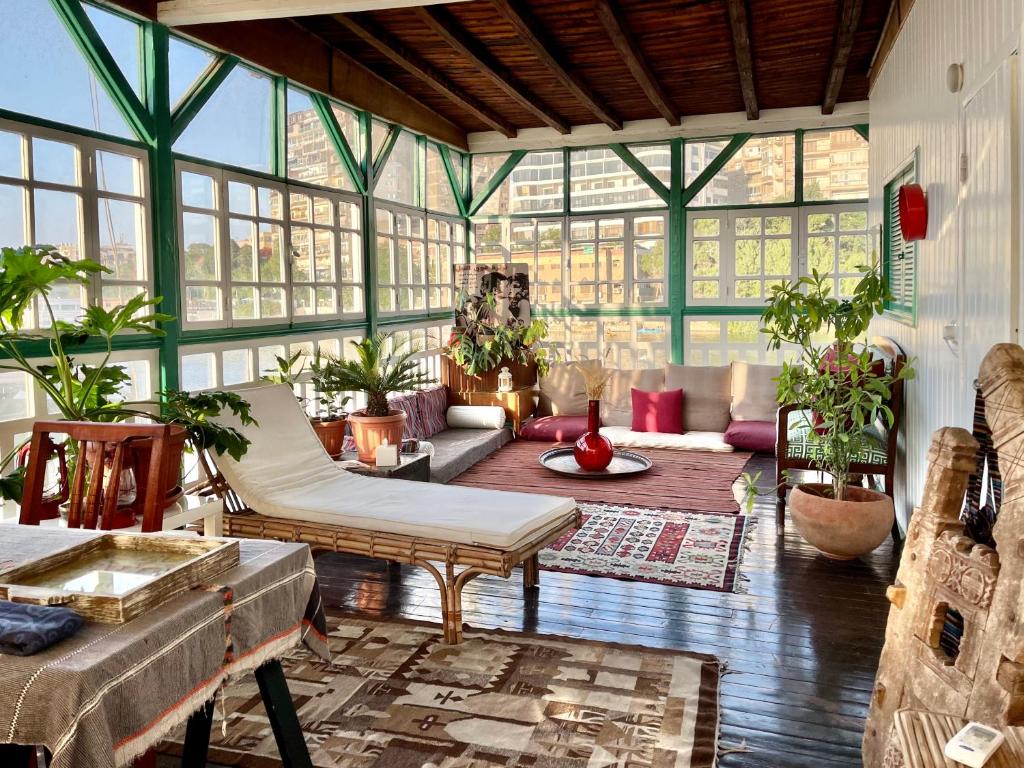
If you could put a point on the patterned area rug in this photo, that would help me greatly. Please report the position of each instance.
(398, 697)
(664, 546)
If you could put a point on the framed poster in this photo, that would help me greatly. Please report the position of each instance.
(492, 293)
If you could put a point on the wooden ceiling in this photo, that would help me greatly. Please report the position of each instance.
(510, 64)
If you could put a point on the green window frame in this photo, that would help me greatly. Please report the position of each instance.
(899, 258)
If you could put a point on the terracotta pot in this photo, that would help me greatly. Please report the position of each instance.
(331, 434)
(371, 431)
(593, 451)
(842, 530)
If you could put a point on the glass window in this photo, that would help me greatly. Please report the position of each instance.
(348, 120)
(379, 132)
(762, 172)
(721, 340)
(600, 180)
(540, 244)
(440, 196)
(123, 38)
(622, 342)
(835, 165)
(186, 62)
(484, 167)
(657, 158)
(837, 243)
(535, 185)
(243, 102)
(445, 246)
(311, 154)
(617, 260)
(698, 155)
(46, 76)
(398, 179)
(401, 261)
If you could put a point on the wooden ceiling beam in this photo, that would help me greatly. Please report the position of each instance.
(526, 28)
(739, 20)
(445, 25)
(849, 20)
(178, 12)
(630, 52)
(391, 47)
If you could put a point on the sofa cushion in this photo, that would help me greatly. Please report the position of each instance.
(658, 411)
(801, 445)
(433, 405)
(758, 436)
(554, 429)
(754, 391)
(562, 391)
(409, 405)
(456, 450)
(624, 437)
(617, 400)
(706, 395)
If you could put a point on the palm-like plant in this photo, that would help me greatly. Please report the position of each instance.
(374, 371)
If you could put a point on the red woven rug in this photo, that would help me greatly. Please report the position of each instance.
(698, 481)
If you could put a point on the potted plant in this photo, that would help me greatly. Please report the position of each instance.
(840, 391)
(378, 373)
(329, 421)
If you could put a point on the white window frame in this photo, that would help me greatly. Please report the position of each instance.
(835, 209)
(90, 196)
(424, 240)
(563, 339)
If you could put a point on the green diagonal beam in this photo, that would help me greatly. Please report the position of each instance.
(337, 138)
(199, 94)
(496, 180)
(453, 179)
(641, 170)
(862, 129)
(103, 66)
(381, 157)
(715, 166)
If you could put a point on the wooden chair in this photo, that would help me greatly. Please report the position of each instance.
(882, 459)
(95, 506)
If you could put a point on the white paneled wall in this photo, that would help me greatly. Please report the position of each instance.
(912, 111)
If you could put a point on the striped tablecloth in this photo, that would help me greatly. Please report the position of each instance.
(105, 696)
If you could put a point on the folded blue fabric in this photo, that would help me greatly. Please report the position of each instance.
(28, 629)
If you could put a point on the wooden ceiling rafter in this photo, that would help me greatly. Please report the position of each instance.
(180, 12)
(526, 27)
(624, 42)
(412, 63)
(446, 26)
(849, 20)
(739, 21)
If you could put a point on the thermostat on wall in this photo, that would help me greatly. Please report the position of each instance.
(974, 745)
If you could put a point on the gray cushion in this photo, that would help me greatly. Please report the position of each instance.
(456, 450)
(754, 391)
(706, 395)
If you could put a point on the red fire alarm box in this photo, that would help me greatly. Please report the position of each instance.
(913, 212)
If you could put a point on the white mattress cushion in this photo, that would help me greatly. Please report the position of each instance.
(624, 437)
(287, 473)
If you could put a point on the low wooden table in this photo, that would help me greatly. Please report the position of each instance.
(921, 737)
(518, 404)
(411, 466)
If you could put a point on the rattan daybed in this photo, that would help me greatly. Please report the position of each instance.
(287, 487)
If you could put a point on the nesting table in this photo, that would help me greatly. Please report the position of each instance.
(411, 466)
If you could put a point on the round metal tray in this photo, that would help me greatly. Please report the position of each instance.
(624, 463)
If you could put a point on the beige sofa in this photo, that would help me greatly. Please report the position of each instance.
(724, 407)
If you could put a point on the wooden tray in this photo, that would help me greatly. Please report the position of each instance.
(115, 577)
(624, 463)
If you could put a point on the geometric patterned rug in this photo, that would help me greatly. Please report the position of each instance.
(398, 697)
(701, 550)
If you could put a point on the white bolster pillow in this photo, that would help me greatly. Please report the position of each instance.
(476, 417)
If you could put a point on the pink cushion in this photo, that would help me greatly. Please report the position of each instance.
(658, 411)
(555, 429)
(752, 436)
(409, 405)
(433, 405)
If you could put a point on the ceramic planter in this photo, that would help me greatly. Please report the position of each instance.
(331, 434)
(842, 530)
(371, 431)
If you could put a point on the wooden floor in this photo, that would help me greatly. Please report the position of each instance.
(801, 644)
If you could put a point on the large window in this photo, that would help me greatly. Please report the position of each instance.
(601, 180)
(762, 172)
(414, 260)
(256, 252)
(87, 198)
(536, 185)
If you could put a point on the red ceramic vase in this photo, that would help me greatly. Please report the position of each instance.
(593, 451)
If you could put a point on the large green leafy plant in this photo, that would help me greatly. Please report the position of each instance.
(834, 382)
(375, 370)
(481, 344)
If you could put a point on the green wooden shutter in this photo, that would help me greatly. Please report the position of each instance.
(900, 256)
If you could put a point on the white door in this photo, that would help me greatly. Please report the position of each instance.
(988, 298)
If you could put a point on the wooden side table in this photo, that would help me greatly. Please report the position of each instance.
(411, 466)
(518, 404)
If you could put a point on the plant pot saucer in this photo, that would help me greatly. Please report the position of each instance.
(623, 464)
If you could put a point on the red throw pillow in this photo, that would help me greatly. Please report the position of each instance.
(658, 411)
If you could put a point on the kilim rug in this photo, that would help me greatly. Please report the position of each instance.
(398, 697)
(692, 480)
(664, 546)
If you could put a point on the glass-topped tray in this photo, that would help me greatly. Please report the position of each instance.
(118, 576)
(624, 463)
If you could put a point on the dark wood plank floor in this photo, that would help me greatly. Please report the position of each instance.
(801, 643)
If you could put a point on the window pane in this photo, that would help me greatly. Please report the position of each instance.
(12, 216)
(186, 62)
(243, 256)
(199, 246)
(348, 119)
(601, 180)
(46, 76)
(835, 165)
(118, 173)
(484, 167)
(397, 181)
(122, 230)
(657, 158)
(55, 161)
(197, 190)
(762, 171)
(535, 185)
(311, 155)
(12, 161)
(699, 155)
(439, 190)
(122, 38)
(237, 366)
(58, 221)
(378, 135)
(15, 396)
(242, 102)
(198, 371)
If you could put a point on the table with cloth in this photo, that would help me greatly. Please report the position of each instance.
(113, 691)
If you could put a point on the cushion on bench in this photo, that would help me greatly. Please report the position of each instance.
(624, 437)
(554, 429)
(456, 450)
(759, 436)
